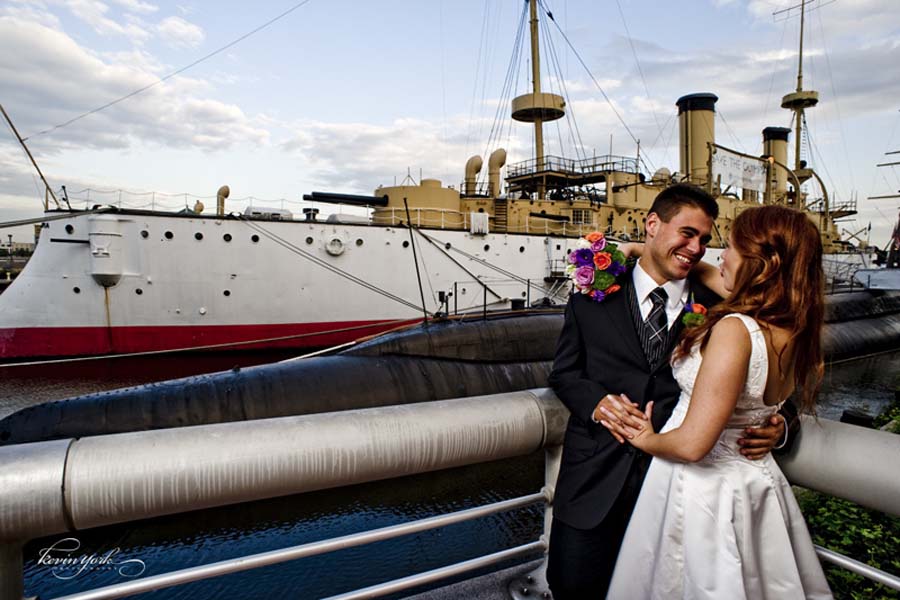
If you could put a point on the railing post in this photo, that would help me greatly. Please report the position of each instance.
(12, 576)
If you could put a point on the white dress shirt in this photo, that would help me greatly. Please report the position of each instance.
(676, 289)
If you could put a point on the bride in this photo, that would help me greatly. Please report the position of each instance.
(710, 523)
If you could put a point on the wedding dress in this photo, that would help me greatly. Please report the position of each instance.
(723, 527)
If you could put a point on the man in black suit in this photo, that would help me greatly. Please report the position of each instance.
(622, 346)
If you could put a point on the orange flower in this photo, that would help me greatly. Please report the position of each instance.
(612, 289)
(602, 260)
(594, 236)
(698, 308)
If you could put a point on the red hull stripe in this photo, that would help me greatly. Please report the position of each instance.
(81, 341)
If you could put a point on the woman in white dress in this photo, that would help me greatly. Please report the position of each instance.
(709, 523)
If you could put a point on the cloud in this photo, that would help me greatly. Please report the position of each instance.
(94, 13)
(137, 6)
(53, 79)
(178, 33)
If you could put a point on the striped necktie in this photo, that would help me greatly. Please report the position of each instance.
(656, 327)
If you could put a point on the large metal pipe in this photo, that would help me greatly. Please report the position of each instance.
(118, 478)
(846, 461)
(445, 360)
(697, 130)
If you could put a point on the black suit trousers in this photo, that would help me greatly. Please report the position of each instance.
(581, 561)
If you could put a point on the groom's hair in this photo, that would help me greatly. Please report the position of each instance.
(674, 198)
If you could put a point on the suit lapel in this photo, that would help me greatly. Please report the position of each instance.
(616, 307)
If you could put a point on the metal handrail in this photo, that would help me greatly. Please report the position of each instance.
(274, 557)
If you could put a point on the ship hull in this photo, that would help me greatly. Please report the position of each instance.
(141, 281)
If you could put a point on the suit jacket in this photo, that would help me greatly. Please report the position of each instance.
(599, 352)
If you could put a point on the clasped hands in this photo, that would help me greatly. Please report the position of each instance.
(627, 422)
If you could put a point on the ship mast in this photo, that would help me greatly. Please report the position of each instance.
(537, 107)
(799, 101)
(536, 87)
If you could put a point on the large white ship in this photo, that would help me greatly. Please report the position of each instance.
(124, 281)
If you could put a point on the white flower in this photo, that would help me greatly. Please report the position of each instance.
(582, 243)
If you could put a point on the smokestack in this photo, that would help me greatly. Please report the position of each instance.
(775, 144)
(697, 129)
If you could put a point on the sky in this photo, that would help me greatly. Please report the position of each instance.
(344, 96)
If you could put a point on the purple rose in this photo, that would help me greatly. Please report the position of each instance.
(616, 269)
(583, 258)
(599, 245)
(599, 296)
(584, 276)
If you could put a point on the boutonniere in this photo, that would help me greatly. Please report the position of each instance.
(694, 313)
(594, 265)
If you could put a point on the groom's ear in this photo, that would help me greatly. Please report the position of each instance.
(652, 225)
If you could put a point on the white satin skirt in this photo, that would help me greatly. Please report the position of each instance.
(725, 527)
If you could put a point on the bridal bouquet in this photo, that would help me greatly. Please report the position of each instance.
(594, 265)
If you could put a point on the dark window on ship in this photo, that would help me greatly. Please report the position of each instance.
(198, 236)
(359, 242)
(254, 238)
(139, 291)
(309, 240)
(227, 237)
(486, 247)
(69, 229)
(447, 245)
(521, 248)
(169, 235)
(582, 216)
(406, 244)
(145, 234)
(226, 293)
(76, 289)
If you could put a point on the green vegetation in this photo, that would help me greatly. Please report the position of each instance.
(865, 535)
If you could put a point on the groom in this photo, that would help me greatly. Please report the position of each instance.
(620, 346)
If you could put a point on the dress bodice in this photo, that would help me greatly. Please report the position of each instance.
(750, 410)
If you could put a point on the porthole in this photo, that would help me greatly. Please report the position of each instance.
(486, 247)
(309, 240)
(226, 293)
(524, 295)
(447, 245)
(359, 242)
(481, 210)
(521, 248)
(139, 291)
(169, 235)
(227, 237)
(198, 236)
(558, 246)
(69, 229)
(145, 234)
(405, 244)
(254, 238)
(76, 289)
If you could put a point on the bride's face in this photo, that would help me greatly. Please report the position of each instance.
(731, 262)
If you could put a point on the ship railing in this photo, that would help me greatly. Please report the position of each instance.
(574, 167)
(431, 218)
(59, 486)
(469, 296)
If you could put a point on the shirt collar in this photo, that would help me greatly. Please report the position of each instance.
(677, 289)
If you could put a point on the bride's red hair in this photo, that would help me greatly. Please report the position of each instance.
(780, 283)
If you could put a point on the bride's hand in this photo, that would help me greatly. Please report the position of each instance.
(634, 436)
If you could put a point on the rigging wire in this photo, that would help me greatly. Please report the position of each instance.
(478, 62)
(594, 80)
(174, 73)
(574, 131)
(319, 262)
(731, 131)
(640, 70)
(837, 105)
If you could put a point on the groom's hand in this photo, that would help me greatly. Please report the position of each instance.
(619, 411)
(759, 441)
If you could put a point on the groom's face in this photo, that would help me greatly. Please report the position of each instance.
(675, 247)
